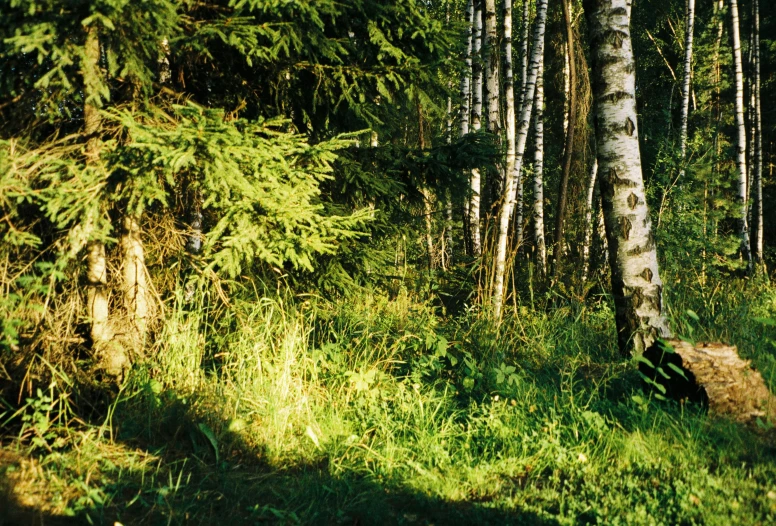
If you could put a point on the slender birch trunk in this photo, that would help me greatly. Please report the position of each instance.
(448, 252)
(636, 284)
(466, 113)
(686, 83)
(475, 180)
(524, 36)
(428, 208)
(741, 136)
(521, 138)
(758, 143)
(492, 82)
(518, 208)
(509, 96)
(589, 218)
(467, 74)
(96, 262)
(568, 150)
(538, 207)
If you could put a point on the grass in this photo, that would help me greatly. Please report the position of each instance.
(370, 411)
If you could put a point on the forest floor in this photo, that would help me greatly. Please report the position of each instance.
(386, 412)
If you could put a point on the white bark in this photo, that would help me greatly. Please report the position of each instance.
(538, 207)
(686, 82)
(491, 68)
(165, 74)
(508, 200)
(524, 36)
(589, 219)
(740, 136)
(475, 181)
(509, 96)
(636, 284)
(466, 76)
(758, 143)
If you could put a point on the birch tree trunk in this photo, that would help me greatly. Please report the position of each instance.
(96, 262)
(686, 83)
(521, 138)
(741, 136)
(524, 35)
(509, 97)
(758, 143)
(568, 150)
(466, 77)
(493, 87)
(589, 219)
(475, 180)
(538, 206)
(636, 284)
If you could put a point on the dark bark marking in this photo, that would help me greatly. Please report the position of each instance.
(647, 275)
(616, 96)
(632, 201)
(629, 127)
(625, 228)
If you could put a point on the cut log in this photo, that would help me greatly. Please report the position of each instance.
(711, 373)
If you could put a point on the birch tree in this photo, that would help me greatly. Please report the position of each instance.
(589, 218)
(686, 82)
(636, 284)
(518, 210)
(465, 112)
(758, 143)
(740, 136)
(509, 97)
(508, 199)
(538, 204)
(475, 181)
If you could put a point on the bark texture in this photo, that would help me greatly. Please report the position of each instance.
(136, 290)
(508, 200)
(466, 77)
(538, 204)
(686, 81)
(475, 180)
(636, 284)
(491, 67)
(740, 136)
(713, 373)
(758, 143)
(589, 219)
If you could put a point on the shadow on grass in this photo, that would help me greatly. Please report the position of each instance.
(178, 478)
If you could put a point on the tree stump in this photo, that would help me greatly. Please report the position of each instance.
(713, 373)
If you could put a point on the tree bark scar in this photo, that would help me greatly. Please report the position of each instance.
(637, 298)
(633, 200)
(625, 227)
(647, 275)
(629, 127)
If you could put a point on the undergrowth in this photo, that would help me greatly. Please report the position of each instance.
(377, 411)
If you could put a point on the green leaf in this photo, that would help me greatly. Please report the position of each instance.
(211, 437)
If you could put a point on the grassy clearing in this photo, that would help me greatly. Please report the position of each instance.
(374, 412)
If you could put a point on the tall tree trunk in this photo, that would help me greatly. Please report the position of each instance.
(686, 83)
(428, 208)
(524, 36)
(97, 266)
(538, 207)
(492, 81)
(741, 137)
(509, 96)
(636, 284)
(758, 143)
(589, 218)
(568, 150)
(508, 199)
(475, 181)
(448, 234)
(467, 74)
